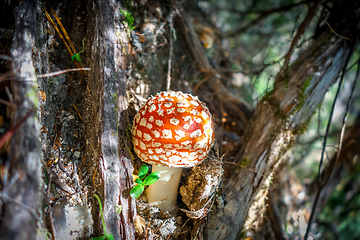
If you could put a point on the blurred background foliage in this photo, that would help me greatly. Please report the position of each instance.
(250, 39)
(340, 218)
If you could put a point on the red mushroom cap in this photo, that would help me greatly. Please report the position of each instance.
(174, 129)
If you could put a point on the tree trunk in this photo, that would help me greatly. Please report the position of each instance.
(277, 119)
(21, 182)
(108, 113)
(103, 97)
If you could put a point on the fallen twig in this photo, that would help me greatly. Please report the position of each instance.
(11, 131)
(45, 75)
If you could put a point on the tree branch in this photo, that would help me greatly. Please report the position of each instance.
(321, 181)
(262, 14)
(265, 12)
(270, 131)
(301, 30)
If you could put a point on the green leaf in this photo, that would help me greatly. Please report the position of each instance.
(138, 181)
(101, 212)
(78, 57)
(118, 209)
(152, 178)
(130, 19)
(99, 238)
(143, 171)
(109, 237)
(136, 191)
(73, 57)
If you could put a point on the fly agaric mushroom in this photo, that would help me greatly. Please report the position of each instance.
(171, 130)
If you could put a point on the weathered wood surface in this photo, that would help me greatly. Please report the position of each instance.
(269, 132)
(21, 183)
(267, 135)
(107, 84)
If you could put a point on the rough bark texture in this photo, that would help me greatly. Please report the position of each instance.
(104, 106)
(107, 84)
(22, 184)
(269, 132)
(334, 172)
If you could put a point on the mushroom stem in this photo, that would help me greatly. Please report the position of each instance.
(163, 193)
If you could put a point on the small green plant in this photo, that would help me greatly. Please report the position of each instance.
(118, 209)
(77, 55)
(129, 21)
(106, 236)
(142, 181)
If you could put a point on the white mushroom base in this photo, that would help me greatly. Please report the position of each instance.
(163, 193)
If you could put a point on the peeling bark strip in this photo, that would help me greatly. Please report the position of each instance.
(107, 83)
(20, 192)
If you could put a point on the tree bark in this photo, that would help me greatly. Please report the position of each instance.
(21, 184)
(280, 115)
(270, 131)
(107, 83)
